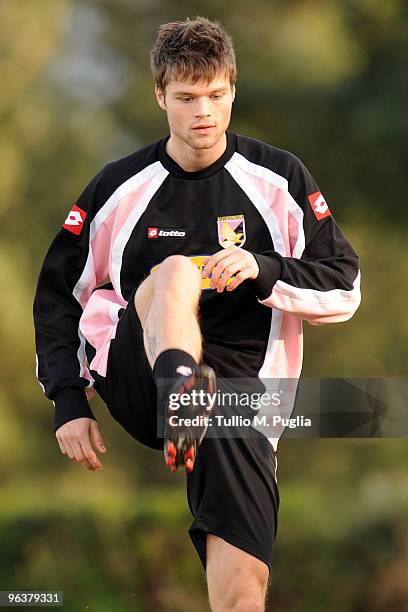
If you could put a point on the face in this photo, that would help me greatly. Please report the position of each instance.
(198, 114)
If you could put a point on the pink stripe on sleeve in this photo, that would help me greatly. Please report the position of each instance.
(277, 197)
(319, 306)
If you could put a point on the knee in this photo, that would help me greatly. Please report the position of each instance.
(241, 596)
(180, 273)
(247, 603)
(241, 602)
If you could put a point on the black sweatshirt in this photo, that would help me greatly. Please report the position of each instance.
(144, 207)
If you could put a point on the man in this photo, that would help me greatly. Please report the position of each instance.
(216, 247)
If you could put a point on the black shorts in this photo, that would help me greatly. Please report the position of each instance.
(232, 491)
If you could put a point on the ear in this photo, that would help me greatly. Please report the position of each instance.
(233, 91)
(160, 97)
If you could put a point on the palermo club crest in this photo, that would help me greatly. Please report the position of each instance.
(231, 230)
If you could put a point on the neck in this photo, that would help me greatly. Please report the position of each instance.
(193, 160)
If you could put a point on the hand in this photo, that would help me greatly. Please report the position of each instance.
(74, 439)
(229, 262)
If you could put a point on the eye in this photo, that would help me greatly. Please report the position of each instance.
(217, 96)
(187, 99)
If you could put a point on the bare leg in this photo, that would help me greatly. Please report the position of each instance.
(167, 303)
(236, 580)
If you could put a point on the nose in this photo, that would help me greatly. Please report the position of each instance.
(202, 108)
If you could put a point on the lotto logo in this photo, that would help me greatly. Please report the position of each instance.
(319, 206)
(75, 220)
(153, 232)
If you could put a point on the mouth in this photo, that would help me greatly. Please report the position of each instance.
(203, 128)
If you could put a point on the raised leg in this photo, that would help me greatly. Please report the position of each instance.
(167, 305)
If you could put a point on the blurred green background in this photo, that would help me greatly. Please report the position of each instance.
(326, 80)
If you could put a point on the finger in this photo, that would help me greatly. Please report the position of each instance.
(77, 449)
(71, 455)
(90, 454)
(229, 271)
(240, 277)
(234, 257)
(79, 455)
(213, 260)
(224, 263)
(96, 437)
(69, 449)
(87, 464)
(62, 447)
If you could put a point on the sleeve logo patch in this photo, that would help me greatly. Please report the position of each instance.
(319, 206)
(75, 220)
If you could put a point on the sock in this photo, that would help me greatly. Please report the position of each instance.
(173, 362)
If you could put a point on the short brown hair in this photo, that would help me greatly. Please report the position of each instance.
(192, 50)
